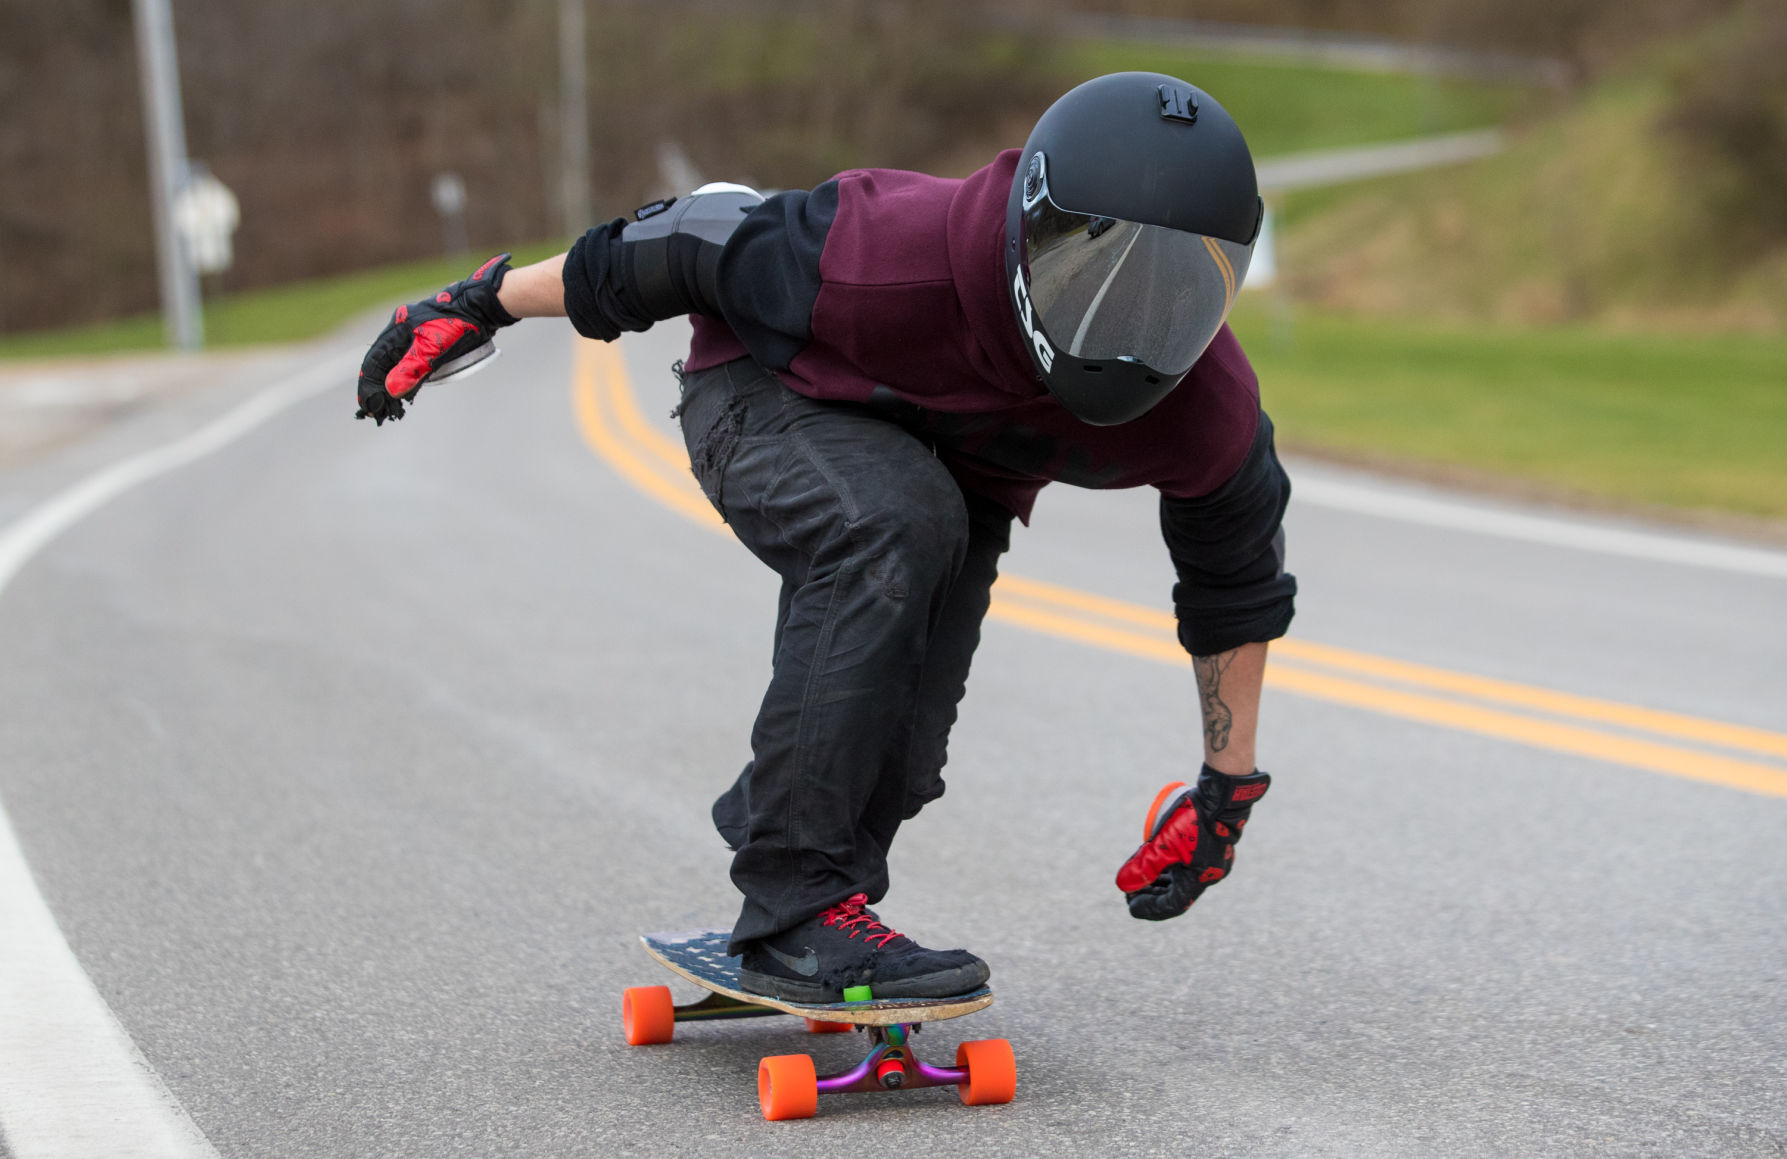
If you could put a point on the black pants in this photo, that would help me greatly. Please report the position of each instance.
(886, 566)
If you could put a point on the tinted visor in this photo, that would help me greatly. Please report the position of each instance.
(1104, 288)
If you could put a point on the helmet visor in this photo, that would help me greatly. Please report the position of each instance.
(1105, 288)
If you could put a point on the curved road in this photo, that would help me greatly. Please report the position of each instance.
(351, 762)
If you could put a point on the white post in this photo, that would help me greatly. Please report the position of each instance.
(165, 135)
(573, 117)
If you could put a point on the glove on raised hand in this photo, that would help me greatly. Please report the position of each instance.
(423, 336)
(1190, 843)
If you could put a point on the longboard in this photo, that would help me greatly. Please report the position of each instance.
(787, 1085)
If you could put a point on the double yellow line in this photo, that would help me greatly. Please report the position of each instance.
(1228, 274)
(1721, 754)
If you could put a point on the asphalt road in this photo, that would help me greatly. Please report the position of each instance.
(352, 761)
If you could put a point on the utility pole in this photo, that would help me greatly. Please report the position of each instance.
(573, 95)
(164, 132)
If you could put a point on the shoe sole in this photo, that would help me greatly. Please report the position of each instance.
(942, 984)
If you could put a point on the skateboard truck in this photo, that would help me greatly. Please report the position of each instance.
(893, 1065)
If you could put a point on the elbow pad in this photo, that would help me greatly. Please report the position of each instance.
(626, 275)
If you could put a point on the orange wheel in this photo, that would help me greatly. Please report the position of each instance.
(787, 1087)
(992, 1072)
(649, 1015)
(814, 1026)
(1160, 799)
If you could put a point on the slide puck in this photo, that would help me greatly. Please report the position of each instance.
(465, 365)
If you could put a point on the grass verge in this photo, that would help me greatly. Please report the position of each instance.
(1684, 421)
(1694, 422)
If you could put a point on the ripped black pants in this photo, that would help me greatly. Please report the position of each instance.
(886, 567)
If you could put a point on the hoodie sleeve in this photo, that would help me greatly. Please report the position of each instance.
(1228, 552)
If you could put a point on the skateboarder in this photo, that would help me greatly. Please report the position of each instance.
(884, 372)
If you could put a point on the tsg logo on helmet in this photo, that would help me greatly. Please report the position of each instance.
(1129, 228)
(1039, 342)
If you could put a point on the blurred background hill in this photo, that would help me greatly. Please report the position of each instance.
(1646, 180)
(1651, 195)
(1583, 311)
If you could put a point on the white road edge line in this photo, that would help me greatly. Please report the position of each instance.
(1079, 336)
(1581, 535)
(72, 1083)
(1290, 171)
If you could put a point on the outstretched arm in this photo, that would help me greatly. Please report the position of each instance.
(1233, 596)
(618, 277)
(536, 291)
(1192, 831)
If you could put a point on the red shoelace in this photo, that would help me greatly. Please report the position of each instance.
(850, 916)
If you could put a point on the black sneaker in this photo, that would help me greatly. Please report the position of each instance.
(847, 945)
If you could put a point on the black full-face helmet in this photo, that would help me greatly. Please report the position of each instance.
(1129, 229)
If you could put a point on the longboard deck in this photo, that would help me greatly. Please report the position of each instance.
(700, 956)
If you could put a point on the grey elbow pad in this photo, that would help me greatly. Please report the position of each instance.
(672, 253)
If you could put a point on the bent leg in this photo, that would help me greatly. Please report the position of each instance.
(912, 771)
(912, 776)
(868, 531)
(732, 809)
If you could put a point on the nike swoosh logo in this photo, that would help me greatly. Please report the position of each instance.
(806, 967)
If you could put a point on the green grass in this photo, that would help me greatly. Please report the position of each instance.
(1695, 422)
(1677, 420)
(290, 313)
(1596, 213)
(1285, 106)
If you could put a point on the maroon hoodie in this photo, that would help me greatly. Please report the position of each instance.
(912, 298)
(888, 288)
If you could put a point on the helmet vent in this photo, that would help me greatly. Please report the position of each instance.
(1093, 368)
(1153, 380)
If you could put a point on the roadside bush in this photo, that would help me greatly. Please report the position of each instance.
(1730, 117)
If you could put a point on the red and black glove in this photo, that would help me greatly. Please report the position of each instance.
(1189, 843)
(423, 336)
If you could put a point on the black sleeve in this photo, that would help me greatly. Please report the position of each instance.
(600, 295)
(769, 273)
(1228, 551)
